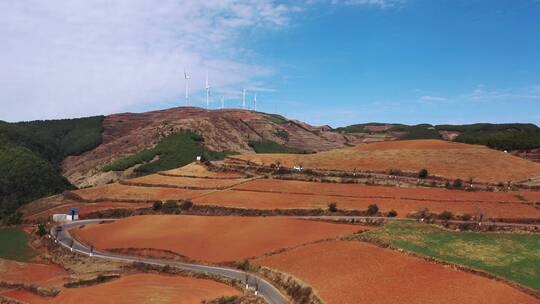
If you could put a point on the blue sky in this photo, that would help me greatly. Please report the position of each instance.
(324, 62)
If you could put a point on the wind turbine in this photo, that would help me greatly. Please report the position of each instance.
(244, 99)
(187, 78)
(207, 92)
(222, 102)
(255, 102)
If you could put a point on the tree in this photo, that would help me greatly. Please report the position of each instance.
(423, 173)
(391, 213)
(372, 209)
(446, 215)
(332, 207)
(186, 205)
(157, 206)
(458, 183)
(41, 231)
(169, 207)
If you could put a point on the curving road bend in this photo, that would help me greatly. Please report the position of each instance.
(271, 294)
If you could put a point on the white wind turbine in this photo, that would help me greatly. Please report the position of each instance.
(207, 92)
(255, 102)
(222, 102)
(187, 78)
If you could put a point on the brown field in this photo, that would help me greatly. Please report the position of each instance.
(446, 159)
(86, 208)
(31, 273)
(156, 179)
(403, 206)
(211, 239)
(137, 288)
(124, 192)
(354, 272)
(359, 190)
(198, 170)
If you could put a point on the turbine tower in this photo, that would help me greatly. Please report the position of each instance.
(222, 102)
(187, 78)
(244, 99)
(207, 92)
(255, 102)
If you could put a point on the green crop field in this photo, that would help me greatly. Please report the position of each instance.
(13, 245)
(515, 257)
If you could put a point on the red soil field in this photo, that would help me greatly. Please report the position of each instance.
(31, 273)
(124, 192)
(355, 272)
(198, 170)
(358, 190)
(440, 158)
(403, 206)
(137, 288)
(86, 208)
(156, 179)
(210, 239)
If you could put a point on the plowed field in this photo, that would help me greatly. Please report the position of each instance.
(440, 158)
(124, 192)
(31, 273)
(354, 272)
(198, 170)
(137, 288)
(156, 179)
(212, 239)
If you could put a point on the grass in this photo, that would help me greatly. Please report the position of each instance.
(13, 245)
(515, 257)
(268, 146)
(174, 151)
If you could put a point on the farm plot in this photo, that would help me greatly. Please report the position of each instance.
(440, 158)
(512, 256)
(31, 273)
(137, 288)
(355, 272)
(403, 206)
(210, 239)
(188, 182)
(198, 170)
(135, 193)
(14, 245)
(366, 191)
(86, 208)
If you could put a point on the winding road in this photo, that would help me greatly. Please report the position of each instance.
(270, 293)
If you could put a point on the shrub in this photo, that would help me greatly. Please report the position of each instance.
(13, 219)
(466, 217)
(169, 206)
(245, 265)
(157, 206)
(393, 171)
(372, 209)
(41, 231)
(423, 173)
(446, 215)
(332, 207)
(458, 183)
(391, 213)
(186, 205)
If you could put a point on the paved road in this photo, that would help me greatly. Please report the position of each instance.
(267, 290)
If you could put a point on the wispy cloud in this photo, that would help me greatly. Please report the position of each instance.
(379, 3)
(481, 93)
(62, 59)
(428, 98)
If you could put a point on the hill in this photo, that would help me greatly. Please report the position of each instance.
(509, 137)
(219, 132)
(441, 158)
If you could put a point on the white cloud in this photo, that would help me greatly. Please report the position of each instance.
(428, 98)
(379, 3)
(76, 58)
(480, 93)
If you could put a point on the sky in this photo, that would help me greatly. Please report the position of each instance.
(335, 62)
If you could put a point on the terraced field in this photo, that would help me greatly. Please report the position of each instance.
(445, 159)
(356, 272)
(210, 239)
